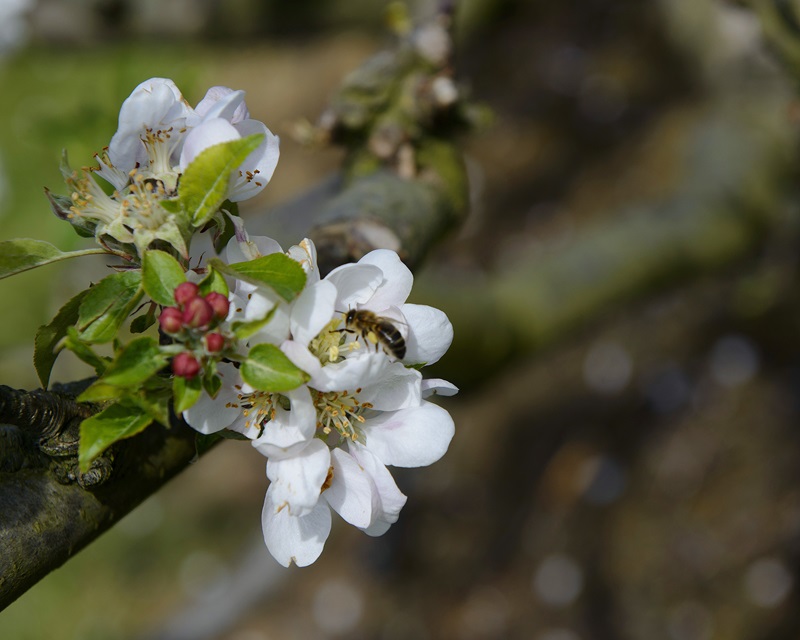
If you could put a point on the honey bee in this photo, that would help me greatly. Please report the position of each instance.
(377, 330)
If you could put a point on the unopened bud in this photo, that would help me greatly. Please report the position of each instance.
(219, 303)
(185, 365)
(197, 313)
(214, 342)
(184, 292)
(171, 320)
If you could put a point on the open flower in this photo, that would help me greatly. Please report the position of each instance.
(329, 441)
(359, 431)
(150, 135)
(380, 283)
(223, 116)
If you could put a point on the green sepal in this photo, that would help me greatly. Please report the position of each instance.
(225, 229)
(213, 282)
(268, 369)
(84, 352)
(115, 423)
(48, 336)
(211, 382)
(204, 183)
(277, 271)
(161, 273)
(107, 305)
(62, 208)
(143, 322)
(204, 442)
(23, 254)
(185, 392)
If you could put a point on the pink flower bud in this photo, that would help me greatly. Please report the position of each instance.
(184, 292)
(197, 313)
(214, 342)
(185, 365)
(219, 303)
(171, 320)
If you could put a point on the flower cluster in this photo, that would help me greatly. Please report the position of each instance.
(193, 322)
(362, 407)
(158, 137)
(321, 374)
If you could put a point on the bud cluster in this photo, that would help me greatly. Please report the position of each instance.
(192, 321)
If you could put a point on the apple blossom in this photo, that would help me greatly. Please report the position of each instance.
(329, 441)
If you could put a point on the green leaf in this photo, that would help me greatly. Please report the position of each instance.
(268, 369)
(107, 305)
(185, 392)
(213, 282)
(171, 205)
(111, 425)
(156, 405)
(74, 343)
(48, 335)
(139, 360)
(204, 183)
(276, 271)
(100, 392)
(161, 273)
(22, 254)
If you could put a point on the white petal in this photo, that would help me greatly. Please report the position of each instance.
(289, 432)
(312, 310)
(397, 282)
(205, 135)
(297, 481)
(355, 284)
(430, 333)
(377, 528)
(155, 103)
(386, 385)
(258, 305)
(414, 437)
(222, 102)
(306, 254)
(249, 248)
(393, 387)
(352, 493)
(261, 303)
(391, 500)
(209, 415)
(292, 539)
(438, 387)
(259, 165)
(302, 358)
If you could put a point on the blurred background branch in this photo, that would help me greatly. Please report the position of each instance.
(624, 297)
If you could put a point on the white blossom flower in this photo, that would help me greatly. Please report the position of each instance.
(381, 283)
(150, 135)
(329, 442)
(223, 116)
